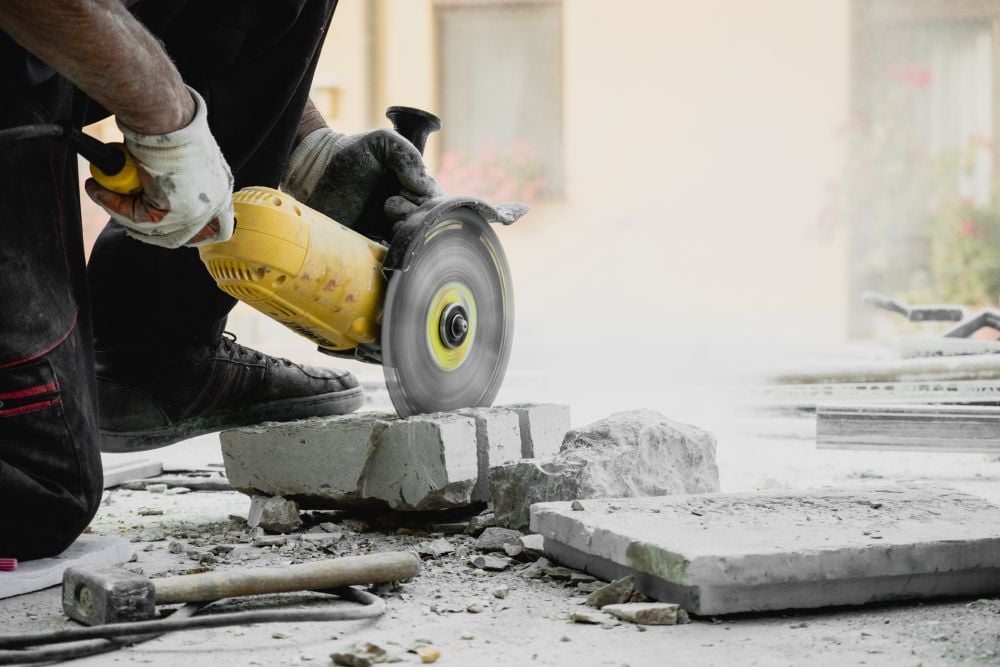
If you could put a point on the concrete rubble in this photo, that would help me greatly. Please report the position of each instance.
(629, 454)
(644, 613)
(729, 553)
(274, 514)
(495, 538)
(372, 460)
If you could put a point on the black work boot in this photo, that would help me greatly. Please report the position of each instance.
(150, 399)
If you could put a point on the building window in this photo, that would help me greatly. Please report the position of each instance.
(923, 213)
(500, 82)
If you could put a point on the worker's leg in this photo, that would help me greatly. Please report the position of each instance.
(50, 469)
(164, 369)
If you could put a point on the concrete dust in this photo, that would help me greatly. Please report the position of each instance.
(522, 614)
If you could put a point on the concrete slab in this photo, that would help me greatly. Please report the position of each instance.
(87, 550)
(543, 426)
(728, 553)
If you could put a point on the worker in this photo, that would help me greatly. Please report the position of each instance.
(131, 348)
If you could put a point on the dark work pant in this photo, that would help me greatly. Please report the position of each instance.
(253, 62)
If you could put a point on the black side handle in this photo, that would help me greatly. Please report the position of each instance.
(415, 125)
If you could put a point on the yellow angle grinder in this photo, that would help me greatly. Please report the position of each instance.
(433, 303)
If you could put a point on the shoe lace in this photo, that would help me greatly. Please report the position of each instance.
(231, 347)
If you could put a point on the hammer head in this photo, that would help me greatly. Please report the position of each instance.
(107, 595)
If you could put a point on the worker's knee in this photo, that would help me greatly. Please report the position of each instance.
(50, 466)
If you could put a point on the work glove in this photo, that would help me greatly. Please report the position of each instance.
(337, 173)
(187, 187)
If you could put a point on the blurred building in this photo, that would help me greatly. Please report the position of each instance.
(689, 162)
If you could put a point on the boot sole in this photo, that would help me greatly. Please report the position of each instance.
(289, 409)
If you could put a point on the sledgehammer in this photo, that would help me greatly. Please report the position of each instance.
(114, 595)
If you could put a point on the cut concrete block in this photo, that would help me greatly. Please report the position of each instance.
(498, 441)
(425, 462)
(629, 454)
(318, 462)
(729, 553)
(543, 426)
(88, 551)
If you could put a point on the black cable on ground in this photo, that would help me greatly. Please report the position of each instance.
(116, 635)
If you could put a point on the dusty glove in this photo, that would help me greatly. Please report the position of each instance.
(187, 188)
(337, 173)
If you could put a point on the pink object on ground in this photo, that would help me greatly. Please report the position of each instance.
(8, 564)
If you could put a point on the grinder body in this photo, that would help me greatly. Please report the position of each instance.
(299, 267)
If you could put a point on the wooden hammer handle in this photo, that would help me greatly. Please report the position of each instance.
(347, 571)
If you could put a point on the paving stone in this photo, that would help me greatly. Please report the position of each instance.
(629, 454)
(729, 553)
(543, 426)
(498, 441)
(644, 613)
(425, 462)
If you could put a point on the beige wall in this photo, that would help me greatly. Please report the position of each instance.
(700, 141)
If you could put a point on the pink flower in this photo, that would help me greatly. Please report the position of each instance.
(967, 227)
(914, 77)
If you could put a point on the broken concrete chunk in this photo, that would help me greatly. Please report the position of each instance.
(363, 654)
(589, 617)
(629, 454)
(542, 426)
(731, 553)
(644, 613)
(275, 515)
(478, 524)
(494, 539)
(156, 488)
(498, 441)
(490, 563)
(533, 545)
(436, 548)
(617, 592)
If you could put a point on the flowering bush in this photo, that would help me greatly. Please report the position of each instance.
(965, 253)
(913, 232)
(494, 173)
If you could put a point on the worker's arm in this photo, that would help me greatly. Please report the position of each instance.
(337, 173)
(100, 47)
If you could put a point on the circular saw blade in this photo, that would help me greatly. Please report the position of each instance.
(448, 320)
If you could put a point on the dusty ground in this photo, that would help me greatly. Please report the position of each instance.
(529, 625)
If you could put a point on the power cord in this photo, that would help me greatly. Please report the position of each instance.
(117, 635)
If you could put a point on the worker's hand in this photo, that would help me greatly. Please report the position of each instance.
(337, 173)
(187, 188)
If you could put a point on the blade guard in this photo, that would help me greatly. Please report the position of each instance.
(402, 250)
